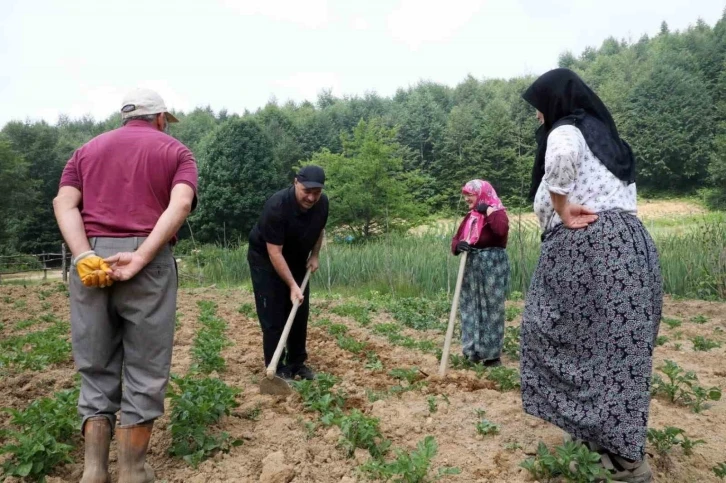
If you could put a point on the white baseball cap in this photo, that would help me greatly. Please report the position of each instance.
(142, 102)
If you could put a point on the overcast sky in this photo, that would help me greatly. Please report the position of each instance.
(80, 56)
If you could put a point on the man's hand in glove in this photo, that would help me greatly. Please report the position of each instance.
(92, 270)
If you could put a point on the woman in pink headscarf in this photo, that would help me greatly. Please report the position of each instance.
(483, 234)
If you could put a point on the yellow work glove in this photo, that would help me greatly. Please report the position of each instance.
(92, 270)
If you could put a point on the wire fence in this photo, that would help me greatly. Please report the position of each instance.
(14, 266)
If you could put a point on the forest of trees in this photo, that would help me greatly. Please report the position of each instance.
(393, 159)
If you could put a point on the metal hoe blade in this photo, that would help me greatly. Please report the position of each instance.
(276, 386)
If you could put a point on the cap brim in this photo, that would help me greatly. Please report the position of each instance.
(170, 117)
(312, 184)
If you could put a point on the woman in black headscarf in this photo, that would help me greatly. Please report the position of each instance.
(594, 306)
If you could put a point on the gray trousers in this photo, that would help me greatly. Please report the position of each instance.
(126, 328)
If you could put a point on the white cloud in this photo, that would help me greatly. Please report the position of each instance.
(100, 101)
(307, 85)
(82, 56)
(172, 97)
(416, 22)
(307, 13)
(359, 23)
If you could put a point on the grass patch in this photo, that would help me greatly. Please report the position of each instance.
(37, 350)
(40, 437)
(252, 414)
(572, 461)
(350, 344)
(357, 430)
(703, 344)
(318, 395)
(511, 342)
(356, 312)
(413, 467)
(410, 380)
(248, 310)
(420, 313)
(387, 329)
(672, 323)
(486, 427)
(689, 255)
(681, 387)
(410, 375)
(24, 324)
(506, 378)
(337, 329)
(663, 440)
(699, 319)
(392, 332)
(198, 403)
(512, 312)
(361, 431)
(210, 340)
(322, 323)
(373, 362)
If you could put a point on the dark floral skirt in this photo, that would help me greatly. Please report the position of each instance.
(483, 292)
(588, 331)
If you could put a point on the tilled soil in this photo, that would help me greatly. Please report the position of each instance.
(277, 441)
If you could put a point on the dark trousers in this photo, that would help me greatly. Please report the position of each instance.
(272, 299)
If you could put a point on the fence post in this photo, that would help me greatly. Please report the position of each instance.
(63, 263)
(45, 268)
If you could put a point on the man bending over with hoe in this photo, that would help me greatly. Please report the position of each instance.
(289, 230)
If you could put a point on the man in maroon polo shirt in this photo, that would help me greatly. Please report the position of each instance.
(122, 198)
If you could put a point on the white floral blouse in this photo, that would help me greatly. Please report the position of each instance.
(572, 169)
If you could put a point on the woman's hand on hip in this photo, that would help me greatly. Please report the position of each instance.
(576, 217)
